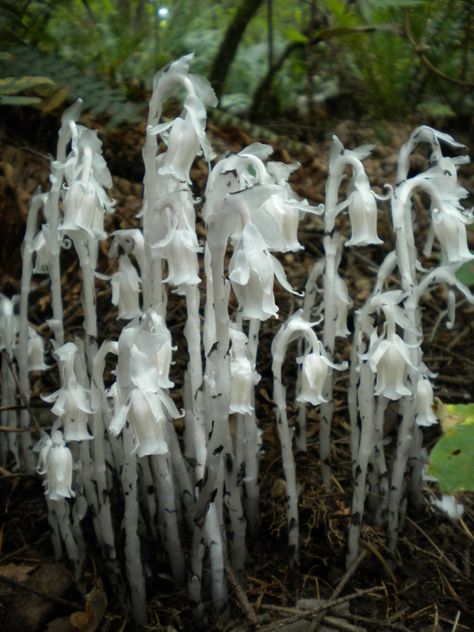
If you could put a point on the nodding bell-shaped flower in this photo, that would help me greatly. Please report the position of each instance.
(450, 229)
(424, 403)
(55, 462)
(35, 351)
(183, 145)
(313, 375)
(147, 413)
(362, 213)
(389, 359)
(126, 289)
(150, 354)
(251, 272)
(71, 400)
(86, 201)
(179, 249)
(243, 375)
(84, 208)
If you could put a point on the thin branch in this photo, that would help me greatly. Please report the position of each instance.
(420, 51)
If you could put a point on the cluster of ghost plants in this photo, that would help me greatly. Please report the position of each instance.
(113, 432)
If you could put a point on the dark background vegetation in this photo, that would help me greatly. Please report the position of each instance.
(369, 70)
(267, 59)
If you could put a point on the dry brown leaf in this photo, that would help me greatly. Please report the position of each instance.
(94, 611)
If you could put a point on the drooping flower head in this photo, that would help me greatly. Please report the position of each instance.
(72, 400)
(56, 464)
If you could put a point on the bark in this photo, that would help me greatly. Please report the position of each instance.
(230, 43)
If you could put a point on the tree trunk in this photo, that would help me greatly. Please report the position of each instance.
(228, 48)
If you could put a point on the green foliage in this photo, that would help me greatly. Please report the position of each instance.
(452, 458)
(367, 51)
(10, 87)
(98, 96)
(466, 273)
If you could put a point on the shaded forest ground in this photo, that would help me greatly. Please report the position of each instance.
(429, 584)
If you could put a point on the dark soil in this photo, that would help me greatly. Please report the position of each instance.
(427, 586)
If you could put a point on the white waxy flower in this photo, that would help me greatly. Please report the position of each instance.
(84, 206)
(241, 387)
(35, 351)
(389, 359)
(41, 249)
(314, 373)
(179, 249)
(424, 403)
(451, 232)
(183, 145)
(251, 271)
(56, 463)
(286, 216)
(151, 354)
(86, 201)
(8, 324)
(363, 213)
(71, 400)
(126, 289)
(243, 375)
(313, 376)
(147, 413)
(450, 506)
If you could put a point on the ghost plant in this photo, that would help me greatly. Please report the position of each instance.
(388, 371)
(186, 463)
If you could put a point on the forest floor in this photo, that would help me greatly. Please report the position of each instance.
(427, 586)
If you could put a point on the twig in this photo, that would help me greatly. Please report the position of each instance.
(456, 621)
(380, 623)
(39, 593)
(240, 594)
(296, 614)
(452, 566)
(341, 624)
(340, 586)
(23, 397)
(5, 407)
(419, 50)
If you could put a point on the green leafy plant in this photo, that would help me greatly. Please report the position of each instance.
(452, 458)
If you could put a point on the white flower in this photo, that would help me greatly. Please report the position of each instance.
(314, 373)
(313, 376)
(56, 463)
(286, 216)
(424, 403)
(179, 249)
(41, 249)
(450, 506)
(126, 289)
(84, 208)
(35, 351)
(243, 375)
(71, 400)
(389, 359)
(363, 213)
(8, 324)
(241, 386)
(151, 354)
(251, 272)
(450, 229)
(86, 201)
(183, 145)
(147, 412)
